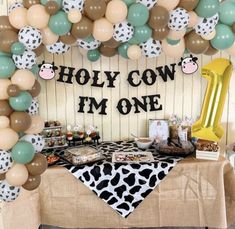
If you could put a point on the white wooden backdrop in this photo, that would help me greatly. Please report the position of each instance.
(183, 96)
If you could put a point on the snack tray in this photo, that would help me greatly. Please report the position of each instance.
(132, 157)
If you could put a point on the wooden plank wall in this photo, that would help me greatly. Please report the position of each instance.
(184, 96)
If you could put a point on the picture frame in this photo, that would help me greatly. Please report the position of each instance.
(159, 129)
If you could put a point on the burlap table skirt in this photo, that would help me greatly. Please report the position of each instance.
(195, 193)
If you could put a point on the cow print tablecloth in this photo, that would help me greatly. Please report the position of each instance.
(122, 186)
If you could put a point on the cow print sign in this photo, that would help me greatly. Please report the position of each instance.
(122, 186)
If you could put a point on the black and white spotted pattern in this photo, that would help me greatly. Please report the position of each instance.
(58, 48)
(206, 25)
(26, 60)
(149, 3)
(122, 186)
(14, 5)
(5, 161)
(123, 31)
(179, 19)
(88, 45)
(67, 5)
(30, 37)
(151, 48)
(34, 108)
(36, 140)
(8, 193)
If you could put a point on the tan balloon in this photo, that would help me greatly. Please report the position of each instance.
(112, 43)
(116, 11)
(32, 183)
(74, 16)
(188, 4)
(5, 24)
(8, 138)
(29, 3)
(52, 7)
(95, 9)
(4, 84)
(18, 18)
(38, 165)
(48, 37)
(107, 51)
(20, 121)
(193, 19)
(82, 29)
(4, 122)
(103, 30)
(2, 176)
(36, 89)
(209, 36)
(5, 108)
(168, 4)
(176, 35)
(39, 50)
(17, 175)
(37, 16)
(158, 17)
(173, 51)
(68, 39)
(24, 79)
(37, 125)
(160, 33)
(211, 51)
(13, 90)
(134, 52)
(7, 38)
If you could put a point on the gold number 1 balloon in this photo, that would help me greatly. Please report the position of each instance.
(218, 73)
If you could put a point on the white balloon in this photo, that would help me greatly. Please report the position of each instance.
(5, 161)
(26, 60)
(14, 6)
(151, 48)
(179, 19)
(68, 5)
(36, 140)
(123, 31)
(58, 48)
(34, 108)
(88, 45)
(8, 193)
(148, 3)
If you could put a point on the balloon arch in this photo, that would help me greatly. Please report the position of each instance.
(130, 28)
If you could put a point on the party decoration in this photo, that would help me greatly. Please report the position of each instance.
(207, 8)
(168, 4)
(83, 28)
(134, 52)
(13, 90)
(32, 183)
(227, 12)
(4, 122)
(17, 48)
(68, 39)
(193, 19)
(26, 60)
(74, 16)
(159, 17)
(37, 125)
(89, 44)
(160, 33)
(38, 165)
(107, 51)
(38, 52)
(23, 152)
(4, 84)
(14, 6)
(95, 9)
(218, 73)
(122, 50)
(34, 108)
(93, 55)
(8, 138)
(8, 193)
(112, 43)
(36, 140)
(179, 19)
(48, 37)
(21, 102)
(174, 51)
(189, 5)
(123, 31)
(138, 14)
(5, 109)
(148, 3)
(52, 7)
(18, 17)
(17, 175)
(5, 161)
(73, 4)
(103, 30)
(28, 3)
(176, 35)
(189, 65)
(36, 89)
(142, 33)
(7, 67)
(151, 48)
(47, 71)
(5, 24)
(7, 39)
(58, 48)
(20, 121)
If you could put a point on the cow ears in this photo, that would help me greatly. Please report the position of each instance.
(54, 67)
(40, 65)
(180, 63)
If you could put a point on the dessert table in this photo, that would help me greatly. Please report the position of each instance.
(195, 193)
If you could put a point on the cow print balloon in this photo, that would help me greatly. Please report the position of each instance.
(8, 193)
(206, 25)
(5, 161)
(34, 108)
(36, 140)
(73, 4)
(148, 3)
(151, 48)
(179, 19)
(30, 37)
(123, 31)
(26, 60)
(14, 6)
(88, 45)
(58, 48)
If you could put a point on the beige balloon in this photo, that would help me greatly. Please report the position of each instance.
(168, 4)
(24, 79)
(8, 138)
(134, 52)
(37, 16)
(193, 19)
(18, 18)
(74, 16)
(4, 83)
(4, 122)
(173, 51)
(116, 11)
(209, 36)
(37, 125)
(231, 50)
(102, 30)
(17, 175)
(176, 35)
(48, 37)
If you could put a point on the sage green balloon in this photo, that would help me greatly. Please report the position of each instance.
(17, 48)
(129, 2)
(207, 8)
(224, 37)
(35, 69)
(142, 33)
(122, 50)
(138, 14)
(93, 55)
(21, 102)
(7, 67)
(59, 23)
(5, 54)
(227, 12)
(23, 152)
(59, 2)
(133, 41)
(172, 42)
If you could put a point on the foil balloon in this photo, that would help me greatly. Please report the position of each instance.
(218, 73)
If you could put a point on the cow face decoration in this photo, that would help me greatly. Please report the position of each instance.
(47, 70)
(189, 65)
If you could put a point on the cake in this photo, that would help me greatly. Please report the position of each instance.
(204, 145)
